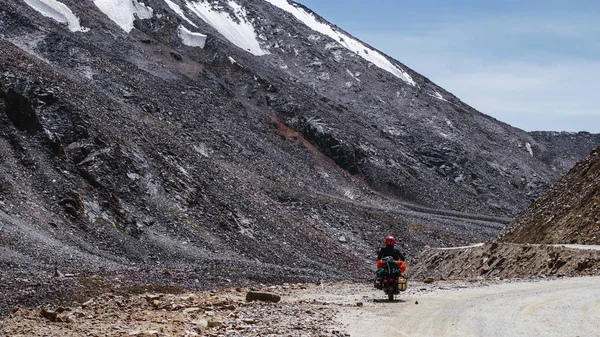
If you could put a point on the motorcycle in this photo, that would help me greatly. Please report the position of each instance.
(393, 286)
(390, 278)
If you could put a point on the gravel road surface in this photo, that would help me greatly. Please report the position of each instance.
(565, 307)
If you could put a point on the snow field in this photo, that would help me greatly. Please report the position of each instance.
(123, 12)
(57, 11)
(175, 8)
(191, 39)
(348, 42)
(240, 32)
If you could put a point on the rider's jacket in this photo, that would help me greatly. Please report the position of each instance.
(390, 251)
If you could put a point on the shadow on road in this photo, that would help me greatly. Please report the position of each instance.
(381, 300)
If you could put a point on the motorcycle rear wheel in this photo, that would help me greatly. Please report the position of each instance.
(390, 296)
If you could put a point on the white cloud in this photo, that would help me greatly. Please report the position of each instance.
(525, 94)
(533, 73)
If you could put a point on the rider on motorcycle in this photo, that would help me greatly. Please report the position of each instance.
(389, 251)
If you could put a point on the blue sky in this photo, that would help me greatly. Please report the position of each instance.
(533, 64)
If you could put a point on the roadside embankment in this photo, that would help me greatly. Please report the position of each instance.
(504, 260)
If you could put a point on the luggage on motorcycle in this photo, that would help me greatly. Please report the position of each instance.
(387, 272)
(393, 272)
(387, 259)
(378, 284)
(391, 268)
(402, 266)
(402, 284)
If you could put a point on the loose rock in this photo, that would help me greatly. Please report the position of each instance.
(262, 296)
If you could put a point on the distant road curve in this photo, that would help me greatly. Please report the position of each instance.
(590, 247)
(572, 246)
(461, 247)
(420, 209)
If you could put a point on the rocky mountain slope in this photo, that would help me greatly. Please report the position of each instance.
(567, 213)
(533, 244)
(563, 149)
(250, 135)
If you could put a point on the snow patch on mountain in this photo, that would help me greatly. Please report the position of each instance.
(348, 42)
(191, 39)
(438, 96)
(238, 30)
(175, 8)
(529, 148)
(57, 11)
(124, 12)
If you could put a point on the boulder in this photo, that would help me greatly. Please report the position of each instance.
(176, 56)
(262, 296)
(51, 315)
(214, 323)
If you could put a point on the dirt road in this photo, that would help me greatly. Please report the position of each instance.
(565, 307)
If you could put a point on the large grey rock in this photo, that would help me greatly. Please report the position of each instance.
(262, 296)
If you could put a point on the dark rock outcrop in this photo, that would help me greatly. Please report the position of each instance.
(20, 111)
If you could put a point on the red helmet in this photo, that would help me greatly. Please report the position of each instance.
(390, 241)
